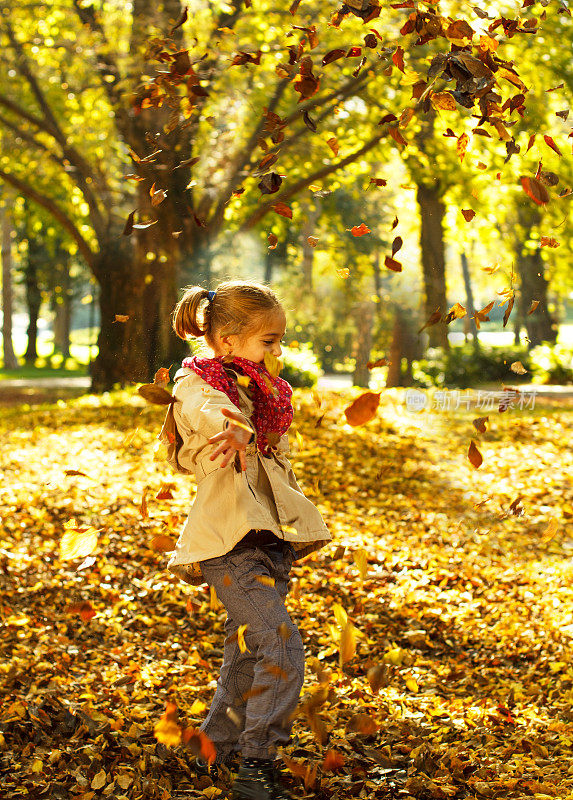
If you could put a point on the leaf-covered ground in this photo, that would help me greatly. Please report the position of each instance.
(456, 581)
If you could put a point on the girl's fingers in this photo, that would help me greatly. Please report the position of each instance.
(243, 460)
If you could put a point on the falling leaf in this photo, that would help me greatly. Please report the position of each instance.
(443, 101)
(270, 183)
(273, 364)
(468, 214)
(536, 190)
(533, 306)
(359, 230)
(433, 319)
(333, 761)
(199, 744)
(549, 241)
(457, 311)
(474, 455)
(551, 143)
(361, 561)
(155, 394)
(482, 316)
(377, 677)
(396, 245)
(273, 241)
(265, 580)
(508, 309)
(391, 263)
(167, 730)
(312, 241)
(412, 683)
(363, 723)
(347, 643)
(283, 210)
(162, 543)
(85, 610)
(333, 144)
(462, 146)
(381, 362)
(77, 542)
(479, 424)
(241, 639)
(551, 530)
(128, 227)
(363, 409)
(398, 58)
(518, 368)
(333, 55)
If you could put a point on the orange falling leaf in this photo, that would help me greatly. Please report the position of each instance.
(474, 455)
(363, 409)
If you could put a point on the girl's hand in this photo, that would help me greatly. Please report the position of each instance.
(234, 439)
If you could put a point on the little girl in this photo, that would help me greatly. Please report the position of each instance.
(250, 519)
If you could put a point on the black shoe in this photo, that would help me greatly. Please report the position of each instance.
(258, 784)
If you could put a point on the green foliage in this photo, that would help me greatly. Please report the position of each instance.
(462, 366)
(552, 363)
(300, 366)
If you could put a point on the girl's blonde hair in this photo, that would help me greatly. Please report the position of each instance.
(237, 308)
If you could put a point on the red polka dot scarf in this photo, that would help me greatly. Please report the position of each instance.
(272, 407)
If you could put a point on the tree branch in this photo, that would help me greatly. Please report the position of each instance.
(304, 182)
(28, 137)
(54, 209)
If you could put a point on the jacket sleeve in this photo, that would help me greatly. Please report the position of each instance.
(202, 407)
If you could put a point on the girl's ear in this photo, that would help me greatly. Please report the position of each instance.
(228, 343)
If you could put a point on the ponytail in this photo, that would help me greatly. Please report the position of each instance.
(189, 319)
(236, 307)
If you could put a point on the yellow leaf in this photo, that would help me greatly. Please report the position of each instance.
(411, 683)
(198, 707)
(299, 440)
(241, 639)
(99, 780)
(266, 580)
(347, 643)
(37, 765)
(167, 731)
(361, 561)
(340, 614)
(273, 364)
(243, 380)
(551, 530)
(395, 656)
(77, 542)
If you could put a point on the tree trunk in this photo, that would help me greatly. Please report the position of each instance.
(364, 320)
(33, 301)
(433, 259)
(10, 360)
(404, 349)
(312, 214)
(540, 326)
(62, 307)
(469, 301)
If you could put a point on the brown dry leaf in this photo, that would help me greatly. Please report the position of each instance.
(533, 306)
(282, 209)
(433, 319)
(549, 241)
(468, 214)
(155, 394)
(378, 677)
(392, 264)
(518, 368)
(363, 409)
(333, 144)
(479, 424)
(474, 455)
(443, 101)
(363, 723)
(333, 761)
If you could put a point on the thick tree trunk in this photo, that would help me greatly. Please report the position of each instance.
(404, 348)
(10, 360)
(540, 326)
(364, 321)
(433, 259)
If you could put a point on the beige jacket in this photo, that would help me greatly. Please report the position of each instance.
(229, 502)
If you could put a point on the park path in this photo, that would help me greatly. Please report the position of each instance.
(33, 389)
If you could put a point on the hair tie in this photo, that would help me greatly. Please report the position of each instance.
(211, 296)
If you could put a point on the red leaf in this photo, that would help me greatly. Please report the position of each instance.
(396, 135)
(530, 142)
(390, 263)
(273, 241)
(550, 143)
(536, 190)
(283, 210)
(359, 230)
(396, 245)
(333, 144)
(398, 58)
(354, 52)
(468, 214)
(333, 55)
(388, 118)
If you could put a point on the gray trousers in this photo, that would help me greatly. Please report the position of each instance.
(258, 689)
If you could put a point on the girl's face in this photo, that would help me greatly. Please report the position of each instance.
(266, 340)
